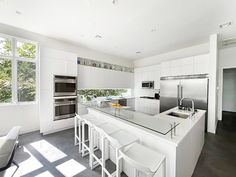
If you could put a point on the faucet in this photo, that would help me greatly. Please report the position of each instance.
(181, 101)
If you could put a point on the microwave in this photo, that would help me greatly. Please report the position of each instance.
(64, 86)
(148, 84)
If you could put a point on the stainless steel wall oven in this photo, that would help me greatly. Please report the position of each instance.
(64, 86)
(64, 108)
(65, 98)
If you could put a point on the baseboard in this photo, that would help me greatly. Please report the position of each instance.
(230, 112)
(57, 130)
(29, 131)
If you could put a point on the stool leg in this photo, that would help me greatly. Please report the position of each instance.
(75, 130)
(91, 147)
(164, 167)
(103, 156)
(135, 173)
(117, 164)
(83, 139)
(79, 129)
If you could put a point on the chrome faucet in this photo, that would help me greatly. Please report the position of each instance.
(181, 101)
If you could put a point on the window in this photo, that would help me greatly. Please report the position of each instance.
(18, 70)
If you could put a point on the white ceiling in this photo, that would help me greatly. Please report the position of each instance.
(149, 26)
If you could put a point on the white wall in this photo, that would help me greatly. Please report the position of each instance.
(28, 115)
(229, 90)
(182, 53)
(227, 59)
(25, 115)
(213, 84)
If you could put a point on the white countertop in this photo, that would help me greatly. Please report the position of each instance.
(185, 125)
(159, 122)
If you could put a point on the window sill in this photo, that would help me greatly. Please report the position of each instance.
(18, 104)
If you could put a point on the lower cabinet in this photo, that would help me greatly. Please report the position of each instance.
(147, 106)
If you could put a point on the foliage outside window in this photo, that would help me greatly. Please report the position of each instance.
(17, 70)
(88, 94)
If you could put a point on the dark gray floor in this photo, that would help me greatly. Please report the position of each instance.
(63, 141)
(218, 158)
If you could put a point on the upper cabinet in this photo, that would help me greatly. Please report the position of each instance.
(186, 66)
(151, 73)
(92, 78)
(201, 64)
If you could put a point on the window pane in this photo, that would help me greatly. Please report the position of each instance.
(5, 47)
(26, 77)
(26, 50)
(5, 81)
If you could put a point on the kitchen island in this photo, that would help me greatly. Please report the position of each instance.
(180, 140)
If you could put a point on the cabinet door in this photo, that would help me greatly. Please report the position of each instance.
(175, 67)
(201, 64)
(156, 79)
(84, 77)
(165, 69)
(187, 66)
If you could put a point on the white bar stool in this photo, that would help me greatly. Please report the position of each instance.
(77, 131)
(117, 140)
(143, 159)
(91, 121)
(107, 128)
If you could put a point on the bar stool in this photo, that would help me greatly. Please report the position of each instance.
(107, 128)
(142, 159)
(117, 140)
(91, 121)
(77, 131)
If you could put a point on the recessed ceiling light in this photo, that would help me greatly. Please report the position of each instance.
(98, 36)
(18, 12)
(138, 52)
(225, 25)
(153, 30)
(114, 1)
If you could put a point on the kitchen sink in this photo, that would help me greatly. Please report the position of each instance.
(179, 115)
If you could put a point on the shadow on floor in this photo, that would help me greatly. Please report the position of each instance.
(53, 155)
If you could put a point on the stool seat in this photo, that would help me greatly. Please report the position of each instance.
(123, 138)
(108, 128)
(142, 156)
(92, 120)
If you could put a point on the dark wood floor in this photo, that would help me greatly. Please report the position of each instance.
(218, 157)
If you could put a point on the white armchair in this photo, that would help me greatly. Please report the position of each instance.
(8, 145)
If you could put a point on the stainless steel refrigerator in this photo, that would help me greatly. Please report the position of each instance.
(175, 88)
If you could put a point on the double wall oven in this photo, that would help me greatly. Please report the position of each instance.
(65, 97)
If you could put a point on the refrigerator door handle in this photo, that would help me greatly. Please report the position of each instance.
(181, 91)
(178, 91)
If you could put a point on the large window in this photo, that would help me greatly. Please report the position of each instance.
(18, 70)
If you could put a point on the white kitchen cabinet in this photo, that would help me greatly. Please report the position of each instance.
(147, 74)
(186, 66)
(165, 68)
(147, 106)
(156, 79)
(53, 62)
(201, 64)
(92, 78)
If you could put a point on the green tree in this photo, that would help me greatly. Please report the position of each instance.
(25, 71)
(88, 93)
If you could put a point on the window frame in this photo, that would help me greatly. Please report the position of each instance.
(14, 60)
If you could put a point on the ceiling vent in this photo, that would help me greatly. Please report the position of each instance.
(229, 42)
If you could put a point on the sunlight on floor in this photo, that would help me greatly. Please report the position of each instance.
(50, 152)
(45, 174)
(26, 166)
(70, 168)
